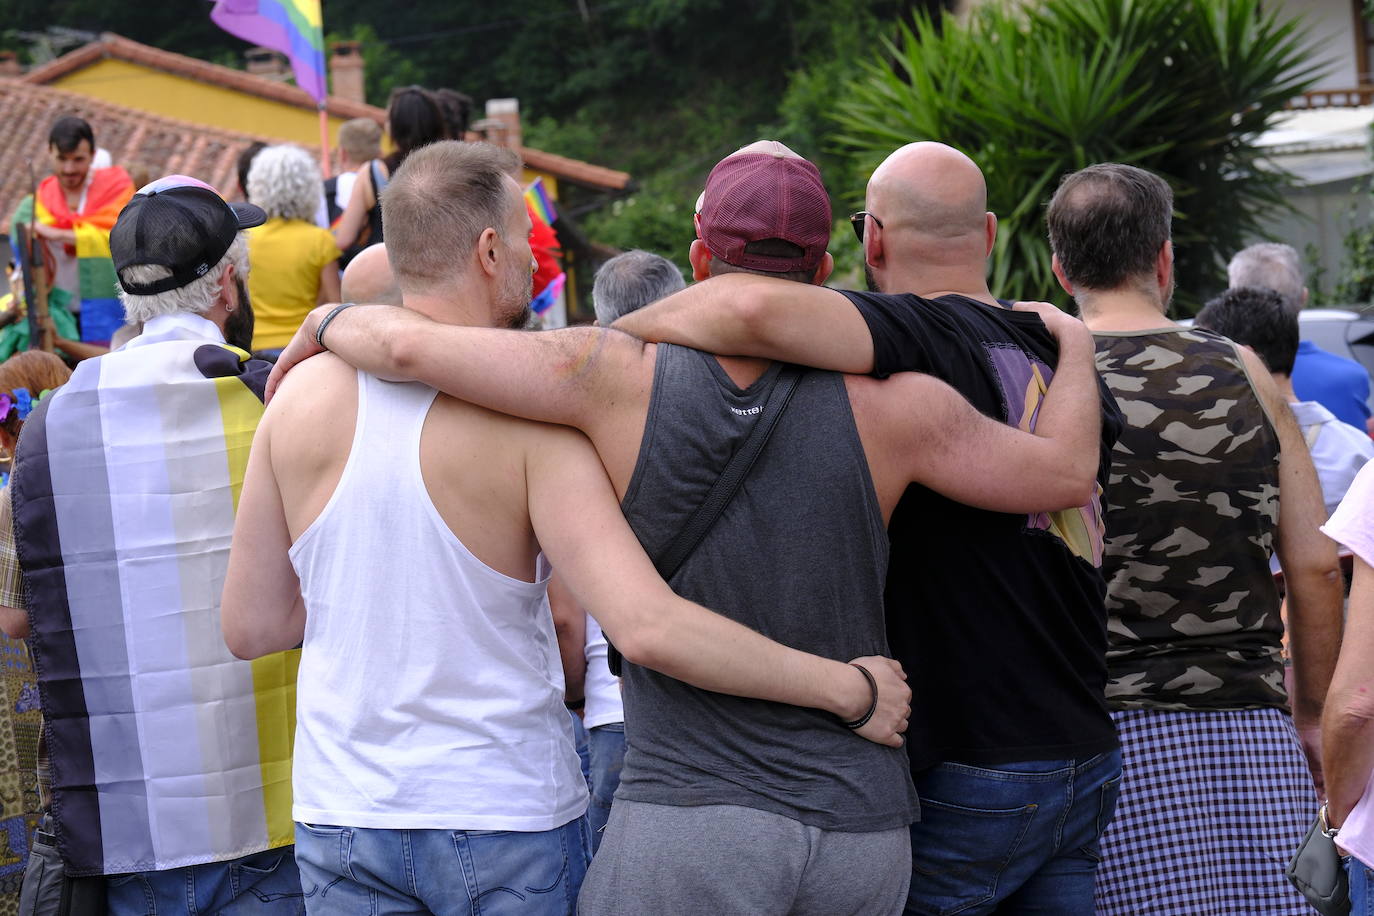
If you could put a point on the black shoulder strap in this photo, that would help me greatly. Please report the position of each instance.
(670, 559)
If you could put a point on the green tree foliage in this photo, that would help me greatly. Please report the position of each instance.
(1179, 87)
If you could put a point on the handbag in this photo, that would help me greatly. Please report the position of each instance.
(671, 558)
(1318, 872)
(48, 890)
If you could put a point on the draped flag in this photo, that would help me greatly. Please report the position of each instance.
(293, 27)
(109, 190)
(166, 750)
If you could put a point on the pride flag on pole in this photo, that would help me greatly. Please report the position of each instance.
(537, 196)
(293, 27)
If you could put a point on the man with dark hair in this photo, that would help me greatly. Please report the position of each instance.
(1215, 794)
(1262, 320)
(746, 807)
(72, 213)
(434, 769)
(1017, 771)
(1341, 384)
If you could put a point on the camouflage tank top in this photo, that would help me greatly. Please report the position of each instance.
(1192, 505)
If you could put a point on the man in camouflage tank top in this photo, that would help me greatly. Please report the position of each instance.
(1209, 477)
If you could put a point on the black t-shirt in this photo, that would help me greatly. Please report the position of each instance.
(998, 618)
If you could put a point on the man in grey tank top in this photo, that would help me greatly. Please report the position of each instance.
(750, 807)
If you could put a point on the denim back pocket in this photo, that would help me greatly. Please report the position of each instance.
(958, 854)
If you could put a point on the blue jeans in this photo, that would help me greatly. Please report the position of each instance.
(264, 882)
(607, 751)
(1020, 838)
(1361, 887)
(354, 871)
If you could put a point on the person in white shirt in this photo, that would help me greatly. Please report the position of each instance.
(1263, 320)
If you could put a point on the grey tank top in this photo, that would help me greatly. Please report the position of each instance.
(800, 555)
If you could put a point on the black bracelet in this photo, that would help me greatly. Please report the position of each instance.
(333, 313)
(873, 707)
(575, 705)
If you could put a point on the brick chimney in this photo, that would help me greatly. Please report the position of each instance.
(346, 71)
(266, 62)
(502, 123)
(9, 65)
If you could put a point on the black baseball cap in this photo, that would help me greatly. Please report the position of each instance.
(179, 223)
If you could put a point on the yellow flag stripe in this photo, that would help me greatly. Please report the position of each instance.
(274, 676)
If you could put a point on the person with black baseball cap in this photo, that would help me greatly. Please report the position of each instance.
(170, 758)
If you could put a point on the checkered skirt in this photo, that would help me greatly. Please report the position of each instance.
(1213, 804)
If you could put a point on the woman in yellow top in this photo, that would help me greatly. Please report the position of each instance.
(293, 264)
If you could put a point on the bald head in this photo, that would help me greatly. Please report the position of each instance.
(368, 278)
(932, 189)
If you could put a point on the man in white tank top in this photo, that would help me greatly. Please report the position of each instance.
(398, 534)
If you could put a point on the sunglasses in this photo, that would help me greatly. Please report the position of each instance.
(857, 221)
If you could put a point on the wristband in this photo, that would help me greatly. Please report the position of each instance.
(575, 705)
(872, 708)
(333, 313)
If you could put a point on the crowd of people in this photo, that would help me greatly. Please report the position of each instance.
(330, 588)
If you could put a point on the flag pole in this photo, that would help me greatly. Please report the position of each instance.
(325, 166)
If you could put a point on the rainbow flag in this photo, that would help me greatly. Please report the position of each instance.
(166, 750)
(109, 190)
(537, 196)
(293, 27)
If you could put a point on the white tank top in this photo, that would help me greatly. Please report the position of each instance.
(430, 693)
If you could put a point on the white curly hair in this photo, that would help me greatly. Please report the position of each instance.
(285, 181)
(196, 297)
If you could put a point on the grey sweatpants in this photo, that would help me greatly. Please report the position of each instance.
(723, 860)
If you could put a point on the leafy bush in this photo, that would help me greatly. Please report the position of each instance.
(1179, 87)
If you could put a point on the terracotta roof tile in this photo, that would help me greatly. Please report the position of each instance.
(121, 48)
(163, 145)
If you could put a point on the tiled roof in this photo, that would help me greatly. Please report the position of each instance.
(121, 48)
(163, 145)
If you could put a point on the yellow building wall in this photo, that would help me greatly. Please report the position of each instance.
(147, 89)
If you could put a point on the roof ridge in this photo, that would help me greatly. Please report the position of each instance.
(114, 45)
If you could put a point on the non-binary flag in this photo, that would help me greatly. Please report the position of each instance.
(293, 27)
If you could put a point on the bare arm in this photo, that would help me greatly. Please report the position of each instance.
(1310, 569)
(748, 315)
(261, 610)
(952, 448)
(52, 233)
(570, 625)
(360, 200)
(329, 283)
(579, 525)
(1348, 722)
(571, 376)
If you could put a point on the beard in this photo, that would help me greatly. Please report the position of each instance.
(238, 324)
(513, 306)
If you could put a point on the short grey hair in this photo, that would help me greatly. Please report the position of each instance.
(285, 181)
(196, 297)
(631, 281)
(1269, 265)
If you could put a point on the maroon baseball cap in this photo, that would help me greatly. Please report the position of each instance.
(765, 191)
